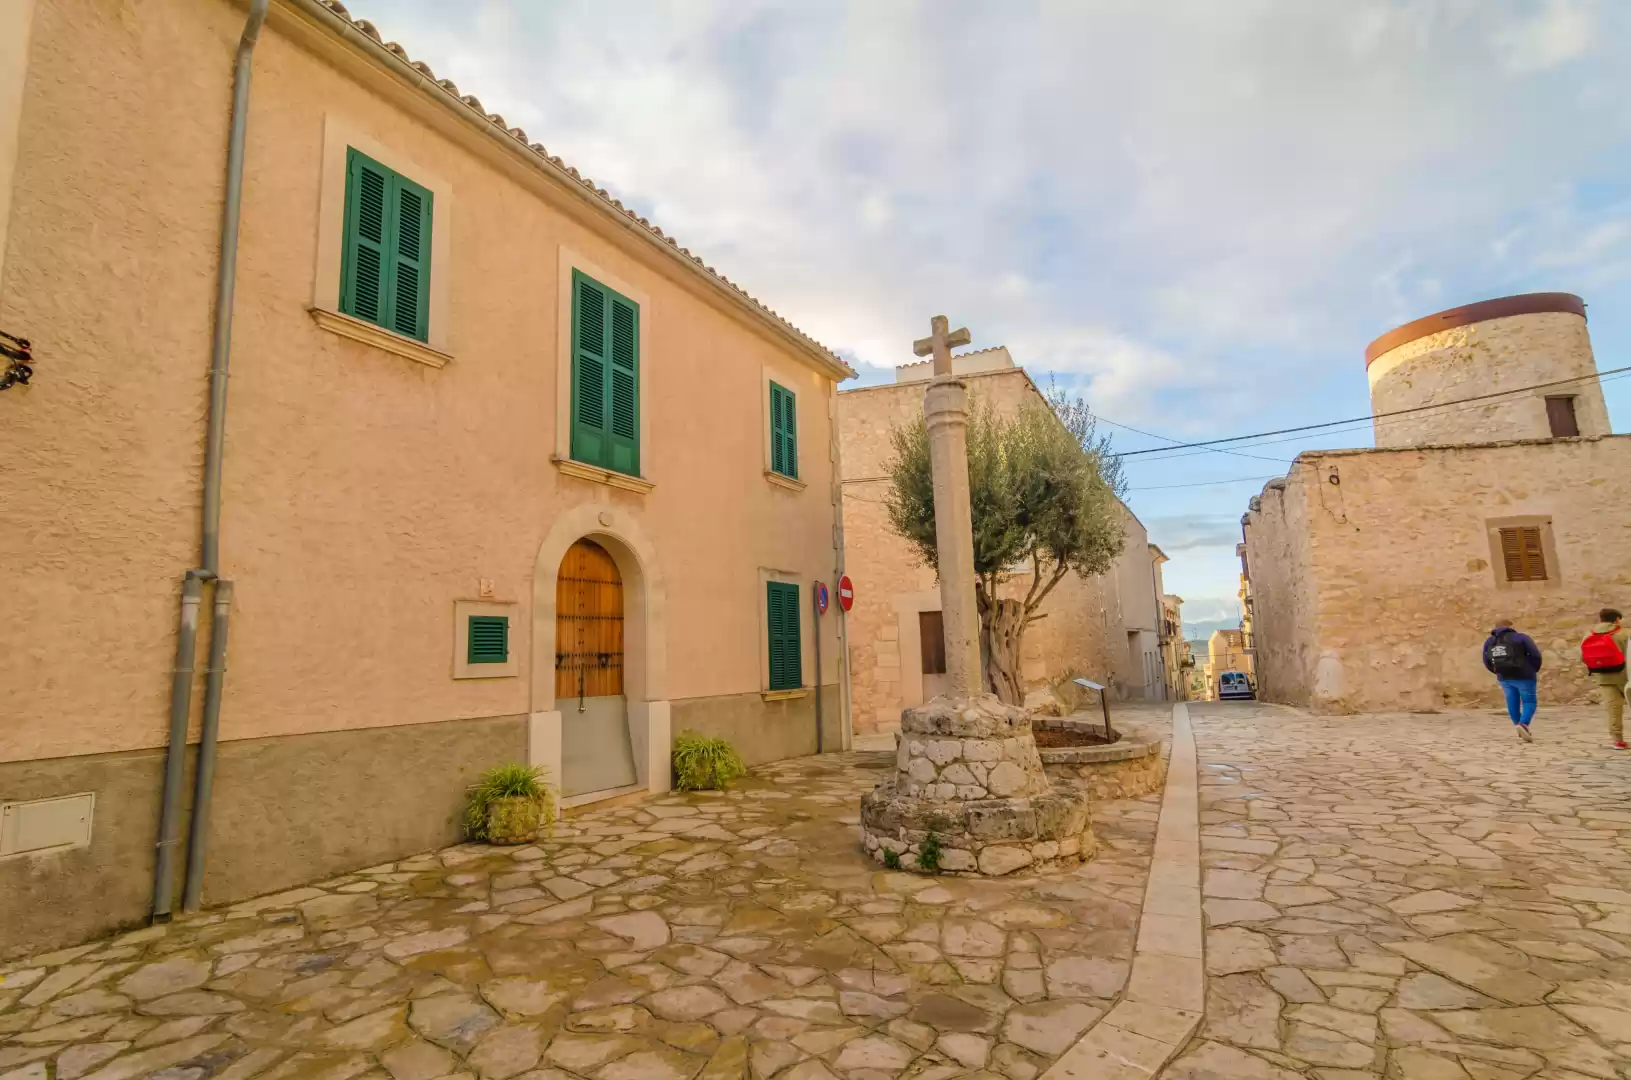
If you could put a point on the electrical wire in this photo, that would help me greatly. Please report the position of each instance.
(1372, 416)
(1203, 483)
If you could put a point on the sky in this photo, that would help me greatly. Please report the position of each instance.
(1194, 214)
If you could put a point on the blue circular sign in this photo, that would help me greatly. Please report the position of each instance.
(821, 597)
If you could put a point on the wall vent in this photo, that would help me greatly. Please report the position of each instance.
(46, 824)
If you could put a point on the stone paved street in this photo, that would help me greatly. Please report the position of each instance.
(1419, 894)
(1420, 897)
(731, 935)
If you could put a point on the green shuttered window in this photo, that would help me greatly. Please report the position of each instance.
(489, 639)
(782, 618)
(385, 269)
(605, 377)
(784, 438)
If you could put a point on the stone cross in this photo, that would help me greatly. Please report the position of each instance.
(940, 343)
(945, 414)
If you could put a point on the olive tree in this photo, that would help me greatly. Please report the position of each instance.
(1043, 487)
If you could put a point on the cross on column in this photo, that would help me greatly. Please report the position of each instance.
(940, 343)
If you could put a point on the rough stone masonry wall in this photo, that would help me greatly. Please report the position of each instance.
(1400, 573)
(1484, 358)
(1277, 556)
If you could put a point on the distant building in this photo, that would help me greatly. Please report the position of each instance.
(1374, 575)
(1173, 646)
(1105, 628)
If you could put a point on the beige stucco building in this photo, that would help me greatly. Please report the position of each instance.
(1105, 628)
(1173, 651)
(1375, 575)
(507, 475)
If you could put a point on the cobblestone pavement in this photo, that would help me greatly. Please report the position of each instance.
(1420, 895)
(733, 935)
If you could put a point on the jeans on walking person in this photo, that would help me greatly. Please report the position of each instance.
(1515, 660)
(1521, 701)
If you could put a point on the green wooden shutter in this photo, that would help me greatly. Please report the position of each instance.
(784, 449)
(589, 435)
(605, 377)
(782, 620)
(624, 391)
(410, 259)
(385, 262)
(362, 264)
(489, 639)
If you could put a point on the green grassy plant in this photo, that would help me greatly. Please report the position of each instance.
(891, 859)
(509, 781)
(705, 763)
(928, 854)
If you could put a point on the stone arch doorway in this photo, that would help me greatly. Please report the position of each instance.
(597, 751)
(618, 533)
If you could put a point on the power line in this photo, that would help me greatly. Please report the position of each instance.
(1375, 416)
(1203, 483)
(1163, 438)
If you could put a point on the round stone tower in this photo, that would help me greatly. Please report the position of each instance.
(1514, 343)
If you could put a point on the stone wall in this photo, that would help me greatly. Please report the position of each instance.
(1083, 634)
(1376, 591)
(1277, 555)
(1484, 358)
(1129, 768)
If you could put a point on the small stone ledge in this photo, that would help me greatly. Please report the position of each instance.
(1126, 769)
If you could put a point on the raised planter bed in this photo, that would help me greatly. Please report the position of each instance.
(1128, 768)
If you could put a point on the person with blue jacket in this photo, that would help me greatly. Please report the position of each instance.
(1515, 661)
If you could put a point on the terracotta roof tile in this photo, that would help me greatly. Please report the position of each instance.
(612, 205)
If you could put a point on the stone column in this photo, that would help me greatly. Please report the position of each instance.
(945, 414)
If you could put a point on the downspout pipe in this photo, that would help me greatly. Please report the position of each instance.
(210, 541)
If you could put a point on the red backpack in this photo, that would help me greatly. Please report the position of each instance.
(1601, 655)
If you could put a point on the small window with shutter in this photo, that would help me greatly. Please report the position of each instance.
(385, 264)
(489, 639)
(605, 377)
(784, 440)
(1561, 418)
(931, 628)
(1522, 556)
(782, 623)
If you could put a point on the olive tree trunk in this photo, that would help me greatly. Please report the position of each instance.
(1002, 633)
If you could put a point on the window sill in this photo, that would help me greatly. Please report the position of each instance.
(596, 475)
(785, 481)
(784, 695)
(379, 337)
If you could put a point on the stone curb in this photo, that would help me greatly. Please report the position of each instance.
(1166, 993)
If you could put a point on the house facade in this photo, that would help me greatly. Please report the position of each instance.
(1105, 628)
(1375, 574)
(506, 475)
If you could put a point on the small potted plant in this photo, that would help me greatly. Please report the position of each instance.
(703, 763)
(508, 805)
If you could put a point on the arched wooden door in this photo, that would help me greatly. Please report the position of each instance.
(596, 752)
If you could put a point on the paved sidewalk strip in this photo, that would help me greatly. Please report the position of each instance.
(1167, 991)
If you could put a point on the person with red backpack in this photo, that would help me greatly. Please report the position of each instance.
(1604, 654)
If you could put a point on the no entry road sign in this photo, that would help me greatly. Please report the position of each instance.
(846, 592)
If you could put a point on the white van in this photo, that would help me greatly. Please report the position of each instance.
(1234, 686)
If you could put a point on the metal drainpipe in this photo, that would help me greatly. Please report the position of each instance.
(192, 585)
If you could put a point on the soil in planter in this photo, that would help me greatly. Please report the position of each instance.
(1054, 738)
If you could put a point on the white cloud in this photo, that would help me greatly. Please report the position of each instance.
(1561, 31)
